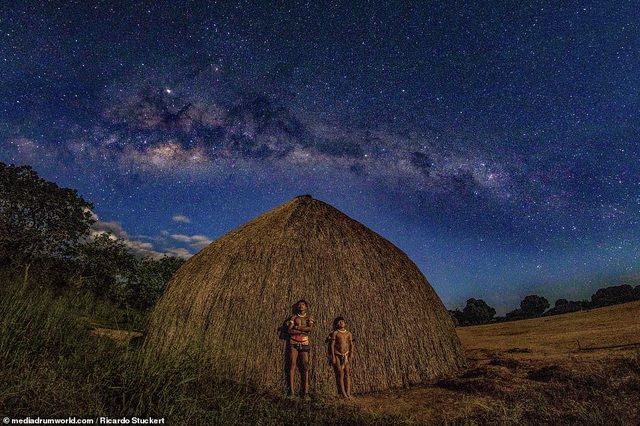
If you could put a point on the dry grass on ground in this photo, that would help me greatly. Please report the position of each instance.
(560, 335)
(578, 368)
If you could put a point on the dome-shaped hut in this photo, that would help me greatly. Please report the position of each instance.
(231, 297)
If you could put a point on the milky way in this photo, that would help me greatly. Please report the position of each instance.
(497, 146)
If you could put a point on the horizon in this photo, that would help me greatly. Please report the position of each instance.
(499, 154)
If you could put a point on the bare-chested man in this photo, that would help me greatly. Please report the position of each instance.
(299, 326)
(340, 351)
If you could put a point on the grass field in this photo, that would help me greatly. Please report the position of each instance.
(68, 354)
(560, 335)
(578, 368)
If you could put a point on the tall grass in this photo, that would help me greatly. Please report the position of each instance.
(53, 366)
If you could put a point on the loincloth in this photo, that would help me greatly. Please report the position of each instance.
(344, 357)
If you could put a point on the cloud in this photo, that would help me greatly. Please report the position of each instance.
(197, 242)
(113, 228)
(136, 246)
(179, 252)
(181, 218)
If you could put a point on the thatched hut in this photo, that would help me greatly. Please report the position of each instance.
(231, 297)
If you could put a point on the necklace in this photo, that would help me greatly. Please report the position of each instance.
(302, 316)
(342, 330)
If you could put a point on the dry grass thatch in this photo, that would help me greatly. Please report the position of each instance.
(230, 298)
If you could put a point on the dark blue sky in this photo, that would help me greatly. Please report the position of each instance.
(496, 144)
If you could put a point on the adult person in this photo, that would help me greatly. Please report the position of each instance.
(298, 346)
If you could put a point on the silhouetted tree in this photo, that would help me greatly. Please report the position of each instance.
(38, 219)
(533, 305)
(564, 306)
(109, 269)
(150, 279)
(561, 302)
(477, 312)
(516, 314)
(106, 267)
(613, 295)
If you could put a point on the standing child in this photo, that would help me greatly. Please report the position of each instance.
(340, 351)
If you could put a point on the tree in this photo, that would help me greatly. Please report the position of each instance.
(561, 302)
(516, 314)
(38, 219)
(477, 312)
(533, 305)
(150, 279)
(106, 267)
(613, 295)
(111, 271)
(564, 306)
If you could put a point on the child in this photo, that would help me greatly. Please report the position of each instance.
(339, 352)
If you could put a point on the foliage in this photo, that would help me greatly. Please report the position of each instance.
(561, 302)
(47, 227)
(38, 219)
(534, 305)
(564, 306)
(147, 284)
(477, 312)
(613, 295)
(108, 268)
(516, 314)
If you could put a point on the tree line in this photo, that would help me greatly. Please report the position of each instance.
(45, 236)
(477, 311)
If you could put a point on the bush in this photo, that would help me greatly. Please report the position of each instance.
(516, 314)
(477, 312)
(107, 268)
(563, 306)
(561, 302)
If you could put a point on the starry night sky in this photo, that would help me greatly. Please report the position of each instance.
(497, 145)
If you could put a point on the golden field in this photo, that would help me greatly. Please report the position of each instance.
(577, 368)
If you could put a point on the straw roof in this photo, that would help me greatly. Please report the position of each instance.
(231, 297)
